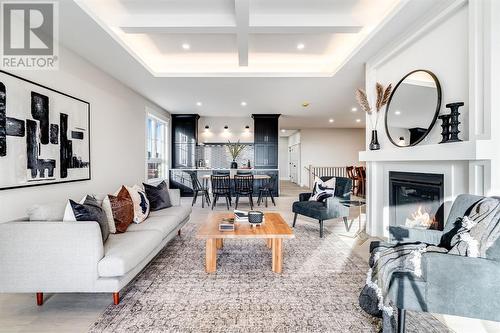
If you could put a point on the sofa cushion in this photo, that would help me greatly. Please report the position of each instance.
(181, 212)
(163, 224)
(122, 252)
(158, 196)
(123, 209)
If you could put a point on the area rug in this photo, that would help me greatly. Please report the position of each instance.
(317, 291)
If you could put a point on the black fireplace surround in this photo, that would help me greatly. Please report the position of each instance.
(412, 193)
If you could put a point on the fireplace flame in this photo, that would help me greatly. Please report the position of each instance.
(420, 218)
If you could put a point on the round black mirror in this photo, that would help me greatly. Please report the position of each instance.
(413, 108)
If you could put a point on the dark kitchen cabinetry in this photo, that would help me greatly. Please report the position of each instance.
(184, 138)
(266, 133)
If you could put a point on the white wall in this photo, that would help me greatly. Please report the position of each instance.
(329, 147)
(283, 158)
(443, 51)
(217, 134)
(118, 138)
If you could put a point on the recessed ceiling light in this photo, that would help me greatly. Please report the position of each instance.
(283, 131)
(397, 113)
(199, 103)
(186, 46)
(358, 120)
(243, 103)
(305, 104)
(354, 109)
(331, 120)
(300, 46)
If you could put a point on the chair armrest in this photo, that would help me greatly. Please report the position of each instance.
(462, 286)
(49, 256)
(401, 234)
(304, 196)
(175, 196)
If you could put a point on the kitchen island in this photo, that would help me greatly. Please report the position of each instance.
(180, 178)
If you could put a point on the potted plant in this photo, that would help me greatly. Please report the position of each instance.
(383, 95)
(235, 149)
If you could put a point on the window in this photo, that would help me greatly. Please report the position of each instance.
(157, 162)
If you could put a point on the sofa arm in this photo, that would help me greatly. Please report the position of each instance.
(175, 197)
(401, 234)
(49, 256)
(462, 286)
(304, 196)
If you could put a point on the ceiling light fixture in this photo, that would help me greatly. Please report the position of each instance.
(247, 127)
(226, 127)
(186, 46)
(243, 103)
(300, 46)
(397, 113)
(331, 120)
(305, 104)
(207, 127)
(199, 103)
(283, 130)
(354, 109)
(358, 120)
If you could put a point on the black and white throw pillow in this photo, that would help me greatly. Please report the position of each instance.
(158, 196)
(89, 210)
(141, 203)
(323, 189)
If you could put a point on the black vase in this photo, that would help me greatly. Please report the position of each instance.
(234, 165)
(374, 145)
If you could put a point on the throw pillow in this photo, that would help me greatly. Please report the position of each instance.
(106, 206)
(123, 209)
(323, 189)
(47, 212)
(141, 203)
(158, 196)
(89, 210)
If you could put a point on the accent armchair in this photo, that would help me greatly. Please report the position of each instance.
(450, 284)
(330, 208)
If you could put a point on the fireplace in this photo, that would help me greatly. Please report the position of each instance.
(416, 199)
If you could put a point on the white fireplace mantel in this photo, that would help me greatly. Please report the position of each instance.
(457, 151)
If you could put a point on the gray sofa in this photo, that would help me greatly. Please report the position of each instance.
(450, 284)
(59, 257)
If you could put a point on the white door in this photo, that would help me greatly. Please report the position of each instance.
(294, 152)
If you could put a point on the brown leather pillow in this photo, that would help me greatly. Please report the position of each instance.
(123, 209)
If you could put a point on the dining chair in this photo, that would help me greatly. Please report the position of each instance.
(361, 176)
(198, 188)
(266, 190)
(243, 186)
(351, 173)
(221, 187)
(243, 172)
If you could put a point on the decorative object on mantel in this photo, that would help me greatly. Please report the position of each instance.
(382, 99)
(235, 149)
(445, 127)
(413, 108)
(450, 123)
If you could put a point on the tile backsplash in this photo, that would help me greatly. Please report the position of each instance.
(217, 156)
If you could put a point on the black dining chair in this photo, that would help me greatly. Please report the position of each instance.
(221, 187)
(243, 172)
(243, 186)
(266, 190)
(198, 188)
(221, 172)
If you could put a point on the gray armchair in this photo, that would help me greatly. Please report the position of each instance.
(450, 284)
(330, 208)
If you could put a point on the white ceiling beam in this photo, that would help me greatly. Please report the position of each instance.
(242, 11)
(316, 29)
(161, 29)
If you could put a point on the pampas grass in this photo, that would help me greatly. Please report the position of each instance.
(383, 95)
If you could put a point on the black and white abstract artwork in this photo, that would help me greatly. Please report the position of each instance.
(44, 135)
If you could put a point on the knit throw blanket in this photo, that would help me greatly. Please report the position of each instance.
(471, 236)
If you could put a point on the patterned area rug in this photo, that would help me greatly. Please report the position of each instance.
(317, 291)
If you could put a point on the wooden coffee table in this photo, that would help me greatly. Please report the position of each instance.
(273, 230)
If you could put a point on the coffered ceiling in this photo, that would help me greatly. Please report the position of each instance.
(240, 37)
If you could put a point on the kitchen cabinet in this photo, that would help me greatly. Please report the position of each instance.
(266, 134)
(184, 139)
